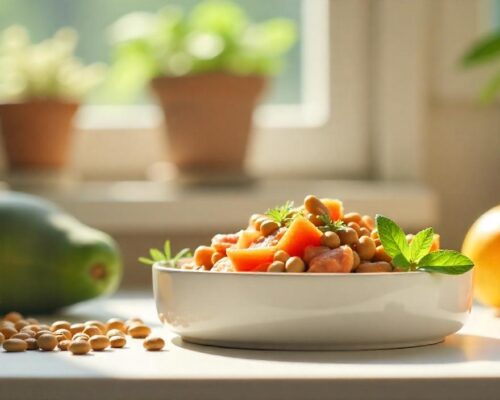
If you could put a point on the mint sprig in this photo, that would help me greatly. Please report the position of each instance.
(165, 256)
(417, 255)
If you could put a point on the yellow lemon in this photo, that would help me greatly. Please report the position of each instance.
(482, 245)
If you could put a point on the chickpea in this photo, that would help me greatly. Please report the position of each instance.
(2, 338)
(92, 330)
(259, 221)
(47, 342)
(42, 332)
(31, 344)
(63, 345)
(330, 240)
(14, 345)
(139, 331)
(117, 342)
(34, 328)
(203, 256)
(81, 336)
(101, 325)
(347, 236)
(312, 251)
(76, 328)
(355, 260)
(154, 343)
(379, 266)
(268, 227)
(79, 347)
(366, 248)
(276, 266)
(8, 331)
(314, 219)
(355, 226)
(29, 332)
(32, 321)
(13, 316)
(352, 217)
(116, 324)
(315, 205)
(64, 333)
(367, 222)
(281, 255)
(60, 325)
(99, 342)
(374, 234)
(364, 231)
(253, 220)
(115, 332)
(20, 335)
(21, 324)
(381, 255)
(295, 264)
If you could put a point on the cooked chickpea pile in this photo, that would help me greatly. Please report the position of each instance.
(18, 334)
(314, 237)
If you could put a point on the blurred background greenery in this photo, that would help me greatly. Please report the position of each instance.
(91, 18)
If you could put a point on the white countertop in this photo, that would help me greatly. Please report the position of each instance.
(465, 366)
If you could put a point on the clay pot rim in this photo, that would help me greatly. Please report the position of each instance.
(211, 74)
(40, 102)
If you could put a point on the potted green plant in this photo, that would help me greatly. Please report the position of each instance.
(41, 86)
(208, 69)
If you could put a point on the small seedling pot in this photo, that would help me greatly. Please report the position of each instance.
(208, 118)
(37, 134)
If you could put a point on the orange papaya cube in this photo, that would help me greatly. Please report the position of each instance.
(247, 237)
(254, 259)
(300, 234)
(435, 243)
(335, 208)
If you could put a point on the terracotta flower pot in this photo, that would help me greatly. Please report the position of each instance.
(208, 119)
(37, 134)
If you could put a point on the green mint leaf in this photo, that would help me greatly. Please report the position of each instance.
(445, 261)
(421, 244)
(156, 255)
(392, 237)
(181, 254)
(400, 261)
(146, 261)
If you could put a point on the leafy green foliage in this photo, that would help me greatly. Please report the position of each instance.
(417, 255)
(283, 214)
(329, 224)
(165, 256)
(215, 36)
(485, 50)
(44, 71)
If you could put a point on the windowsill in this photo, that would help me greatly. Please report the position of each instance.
(148, 207)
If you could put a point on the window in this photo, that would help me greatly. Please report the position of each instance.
(316, 112)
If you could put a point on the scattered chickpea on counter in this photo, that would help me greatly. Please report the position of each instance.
(19, 334)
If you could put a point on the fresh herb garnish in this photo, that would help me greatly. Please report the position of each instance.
(283, 215)
(165, 256)
(416, 255)
(329, 224)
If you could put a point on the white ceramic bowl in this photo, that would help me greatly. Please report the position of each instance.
(311, 311)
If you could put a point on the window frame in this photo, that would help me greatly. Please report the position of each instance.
(334, 111)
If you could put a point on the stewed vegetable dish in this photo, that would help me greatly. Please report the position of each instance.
(316, 236)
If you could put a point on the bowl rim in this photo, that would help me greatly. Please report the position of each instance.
(159, 266)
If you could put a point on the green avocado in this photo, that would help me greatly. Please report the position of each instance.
(48, 259)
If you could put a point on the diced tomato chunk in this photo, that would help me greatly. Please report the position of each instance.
(435, 242)
(299, 235)
(335, 208)
(254, 259)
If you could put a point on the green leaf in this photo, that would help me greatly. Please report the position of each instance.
(483, 51)
(181, 254)
(445, 261)
(157, 255)
(281, 214)
(329, 224)
(400, 261)
(145, 260)
(392, 237)
(421, 244)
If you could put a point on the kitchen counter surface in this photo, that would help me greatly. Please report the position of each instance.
(465, 366)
